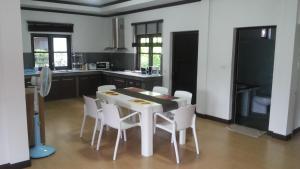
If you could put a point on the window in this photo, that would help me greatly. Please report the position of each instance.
(148, 43)
(149, 50)
(51, 50)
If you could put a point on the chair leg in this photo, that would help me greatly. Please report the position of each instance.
(125, 136)
(117, 144)
(154, 126)
(82, 125)
(172, 137)
(99, 137)
(196, 140)
(94, 132)
(175, 146)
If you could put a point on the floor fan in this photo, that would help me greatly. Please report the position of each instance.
(42, 87)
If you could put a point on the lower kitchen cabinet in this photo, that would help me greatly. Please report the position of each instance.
(119, 82)
(69, 86)
(62, 88)
(122, 82)
(87, 85)
(73, 86)
(133, 83)
(55, 89)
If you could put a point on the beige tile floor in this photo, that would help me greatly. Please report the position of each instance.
(220, 148)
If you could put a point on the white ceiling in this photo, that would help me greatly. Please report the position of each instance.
(114, 8)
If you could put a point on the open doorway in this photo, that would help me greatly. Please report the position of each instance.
(253, 74)
(184, 62)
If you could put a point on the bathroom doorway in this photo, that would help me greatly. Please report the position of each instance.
(253, 74)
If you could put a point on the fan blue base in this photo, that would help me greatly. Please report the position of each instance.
(41, 151)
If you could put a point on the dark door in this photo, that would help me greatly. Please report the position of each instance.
(185, 57)
(254, 59)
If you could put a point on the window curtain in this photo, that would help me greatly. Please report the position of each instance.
(146, 28)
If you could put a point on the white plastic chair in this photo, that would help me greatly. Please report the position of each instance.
(90, 109)
(181, 94)
(105, 88)
(184, 118)
(161, 90)
(184, 94)
(111, 118)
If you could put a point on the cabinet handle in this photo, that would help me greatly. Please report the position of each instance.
(117, 80)
(68, 79)
(55, 80)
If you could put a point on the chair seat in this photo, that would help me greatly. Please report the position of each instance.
(170, 115)
(165, 126)
(126, 124)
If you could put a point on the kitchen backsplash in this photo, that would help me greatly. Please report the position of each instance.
(119, 60)
(28, 60)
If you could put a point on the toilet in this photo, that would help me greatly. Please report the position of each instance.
(260, 104)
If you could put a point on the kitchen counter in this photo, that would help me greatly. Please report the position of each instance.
(130, 73)
(75, 83)
(65, 73)
(135, 75)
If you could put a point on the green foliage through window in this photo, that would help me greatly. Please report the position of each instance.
(150, 50)
(51, 50)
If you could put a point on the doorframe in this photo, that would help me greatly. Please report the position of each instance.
(234, 67)
(171, 60)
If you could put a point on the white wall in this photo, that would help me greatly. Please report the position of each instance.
(91, 34)
(13, 121)
(187, 17)
(218, 19)
(297, 102)
(225, 16)
(283, 93)
(297, 55)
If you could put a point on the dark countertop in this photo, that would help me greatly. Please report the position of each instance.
(131, 75)
(124, 74)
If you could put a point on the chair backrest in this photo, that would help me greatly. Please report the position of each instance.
(111, 115)
(183, 116)
(105, 88)
(184, 94)
(161, 90)
(90, 107)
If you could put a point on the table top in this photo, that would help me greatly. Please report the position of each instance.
(137, 104)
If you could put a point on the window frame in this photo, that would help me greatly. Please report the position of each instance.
(151, 45)
(51, 49)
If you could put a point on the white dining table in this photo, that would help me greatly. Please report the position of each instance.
(147, 111)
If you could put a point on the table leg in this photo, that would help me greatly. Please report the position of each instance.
(182, 135)
(147, 133)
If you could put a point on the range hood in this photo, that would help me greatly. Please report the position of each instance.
(118, 42)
